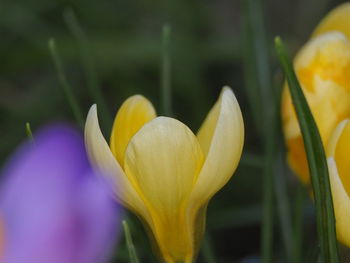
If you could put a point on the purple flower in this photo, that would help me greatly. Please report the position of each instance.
(53, 208)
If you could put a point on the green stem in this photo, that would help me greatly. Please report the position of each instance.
(64, 83)
(283, 208)
(250, 70)
(268, 200)
(29, 132)
(298, 224)
(89, 69)
(260, 92)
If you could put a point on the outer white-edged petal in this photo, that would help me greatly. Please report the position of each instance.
(102, 158)
(333, 141)
(341, 203)
(221, 137)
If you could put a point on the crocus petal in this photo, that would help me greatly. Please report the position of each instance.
(103, 159)
(96, 207)
(333, 140)
(337, 20)
(45, 213)
(163, 159)
(341, 203)
(132, 115)
(221, 138)
(339, 149)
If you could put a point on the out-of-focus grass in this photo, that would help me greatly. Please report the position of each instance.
(124, 49)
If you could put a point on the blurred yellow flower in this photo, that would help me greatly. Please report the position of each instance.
(338, 153)
(336, 20)
(163, 172)
(322, 67)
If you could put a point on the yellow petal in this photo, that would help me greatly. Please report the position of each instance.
(337, 20)
(163, 159)
(102, 159)
(333, 140)
(132, 115)
(341, 203)
(322, 66)
(221, 138)
(339, 149)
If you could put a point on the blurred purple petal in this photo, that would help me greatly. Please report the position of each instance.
(53, 207)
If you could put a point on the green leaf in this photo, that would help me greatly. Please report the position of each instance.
(130, 244)
(316, 159)
(29, 132)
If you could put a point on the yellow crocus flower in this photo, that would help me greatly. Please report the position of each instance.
(336, 20)
(163, 172)
(338, 152)
(322, 67)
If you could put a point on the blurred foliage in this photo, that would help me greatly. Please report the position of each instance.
(122, 45)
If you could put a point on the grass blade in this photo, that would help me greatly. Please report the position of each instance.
(283, 206)
(251, 75)
(64, 83)
(130, 244)
(270, 152)
(29, 132)
(260, 92)
(298, 225)
(316, 159)
(89, 70)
